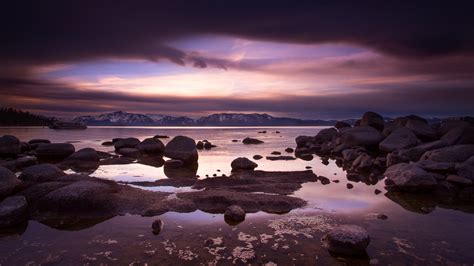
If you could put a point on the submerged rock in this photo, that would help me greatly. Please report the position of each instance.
(280, 158)
(157, 226)
(8, 182)
(289, 150)
(251, 141)
(13, 211)
(182, 148)
(234, 214)
(243, 163)
(347, 240)
(257, 157)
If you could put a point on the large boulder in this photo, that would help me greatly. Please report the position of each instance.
(456, 153)
(409, 177)
(365, 136)
(13, 211)
(126, 143)
(251, 141)
(414, 153)
(42, 173)
(326, 134)
(459, 135)
(347, 240)
(39, 141)
(151, 146)
(243, 163)
(372, 119)
(301, 141)
(82, 196)
(19, 163)
(182, 148)
(466, 169)
(341, 124)
(9, 146)
(86, 158)
(421, 129)
(129, 152)
(54, 151)
(8, 182)
(400, 138)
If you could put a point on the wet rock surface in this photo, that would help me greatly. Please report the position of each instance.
(347, 240)
(13, 211)
(243, 163)
(182, 148)
(8, 182)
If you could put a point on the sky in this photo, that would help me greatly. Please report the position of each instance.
(304, 59)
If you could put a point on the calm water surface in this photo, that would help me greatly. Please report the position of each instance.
(440, 236)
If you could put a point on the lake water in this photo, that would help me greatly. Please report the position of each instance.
(416, 231)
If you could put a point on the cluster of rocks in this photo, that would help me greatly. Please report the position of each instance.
(42, 191)
(412, 154)
(205, 144)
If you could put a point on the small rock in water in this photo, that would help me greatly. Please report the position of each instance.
(251, 141)
(257, 157)
(347, 240)
(324, 180)
(235, 140)
(349, 186)
(325, 161)
(335, 181)
(214, 175)
(234, 214)
(376, 191)
(161, 137)
(308, 167)
(276, 153)
(157, 226)
(382, 216)
(243, 163)
(289, 150)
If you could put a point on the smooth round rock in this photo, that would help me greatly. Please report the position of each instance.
(8, 182)
(182, 148)
(243, 163)
(126, 143)
(13, 211)
(9, 146)
(347, 240)
(54, 151)
(41, 173)
(234, 214)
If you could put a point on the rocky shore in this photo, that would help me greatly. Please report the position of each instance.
(414, 158)
(423, 166)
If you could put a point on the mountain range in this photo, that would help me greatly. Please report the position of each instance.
(121, 118)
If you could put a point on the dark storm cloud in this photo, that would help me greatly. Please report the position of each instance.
(36, 32)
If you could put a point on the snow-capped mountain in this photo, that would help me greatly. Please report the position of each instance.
(118, 118)
(121, 118)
